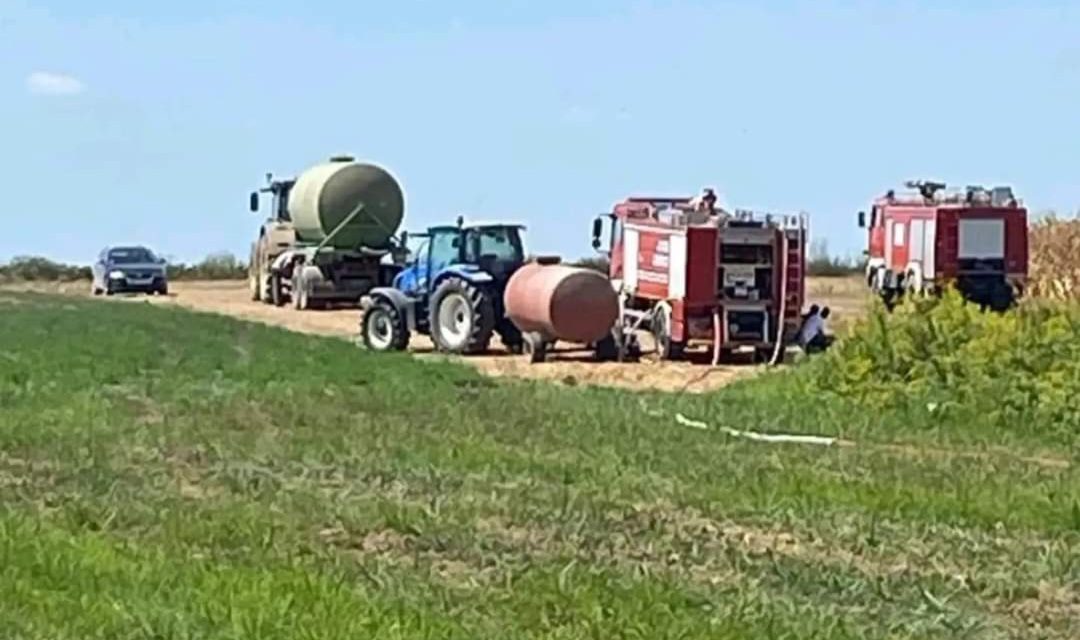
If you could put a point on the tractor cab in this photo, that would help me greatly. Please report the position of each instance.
(279, 197)
(450, 289)
(496, 250)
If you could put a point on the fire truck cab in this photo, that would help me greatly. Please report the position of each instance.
(689, 271)
(920, 241)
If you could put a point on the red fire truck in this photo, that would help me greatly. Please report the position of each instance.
(975, 239)
(688, 271)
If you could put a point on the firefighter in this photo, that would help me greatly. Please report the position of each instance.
(705, 202)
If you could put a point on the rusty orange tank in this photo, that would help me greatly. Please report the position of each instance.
(560, 302)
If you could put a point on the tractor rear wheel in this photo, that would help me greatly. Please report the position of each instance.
(462, 317)
(383, 328)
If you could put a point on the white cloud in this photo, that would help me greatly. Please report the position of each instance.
(53, 84)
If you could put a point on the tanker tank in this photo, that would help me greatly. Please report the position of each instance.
(560, 302)
(326, 195)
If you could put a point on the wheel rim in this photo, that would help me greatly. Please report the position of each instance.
(380, 331)
(455, 320)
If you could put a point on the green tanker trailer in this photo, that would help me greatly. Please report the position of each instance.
(330, 235)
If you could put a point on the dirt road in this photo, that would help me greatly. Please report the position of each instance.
(231, 298)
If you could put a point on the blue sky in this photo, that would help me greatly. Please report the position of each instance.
(125, 120)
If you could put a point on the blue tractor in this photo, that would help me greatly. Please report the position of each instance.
(451, 290)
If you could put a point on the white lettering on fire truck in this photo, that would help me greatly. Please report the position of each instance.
(652, 276)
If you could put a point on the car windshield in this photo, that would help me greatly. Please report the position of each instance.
(130, 255)
(500, 243)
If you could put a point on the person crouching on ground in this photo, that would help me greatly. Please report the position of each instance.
(812, 336)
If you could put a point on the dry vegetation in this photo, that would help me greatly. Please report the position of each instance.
(1055, 258)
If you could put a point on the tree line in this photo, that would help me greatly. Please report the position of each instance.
(226, 266)
(216, 266)
(819, 262)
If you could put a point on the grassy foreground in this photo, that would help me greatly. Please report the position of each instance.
(165, 474)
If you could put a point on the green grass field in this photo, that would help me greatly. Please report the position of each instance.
(166, 474)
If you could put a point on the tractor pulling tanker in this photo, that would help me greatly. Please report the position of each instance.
(920, 241)
(682, 270)
(328, 235)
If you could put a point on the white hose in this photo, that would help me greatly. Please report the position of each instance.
(783, 300)
(716, 337)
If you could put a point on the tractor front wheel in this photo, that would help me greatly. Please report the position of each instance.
(383, 328)
(462, 317)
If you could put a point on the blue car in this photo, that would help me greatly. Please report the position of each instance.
(129, 269)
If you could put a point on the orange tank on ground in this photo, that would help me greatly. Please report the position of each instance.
(560, 302)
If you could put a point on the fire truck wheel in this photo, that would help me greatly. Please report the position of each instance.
(1002, 298)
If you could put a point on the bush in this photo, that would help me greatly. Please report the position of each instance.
(946, 357)
(601, 264)
(820, 263)
(217, 266)
(38, 268)
(1055, 258)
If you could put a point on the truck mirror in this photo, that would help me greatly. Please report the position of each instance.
(862, 219)
(597, 229)
(253, 202)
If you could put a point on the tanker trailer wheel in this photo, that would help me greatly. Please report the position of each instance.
(511, 336)
(255, 283)
(299, 293)
(383, 328)
(461, 318)
(535, 347)
(277, 296)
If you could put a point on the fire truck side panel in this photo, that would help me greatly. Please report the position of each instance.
(976, 236)
(647, 263)
(702, 260)
(877, 233)
(678, 264)
(630, 259)
(1016, 245)
(948, 245)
